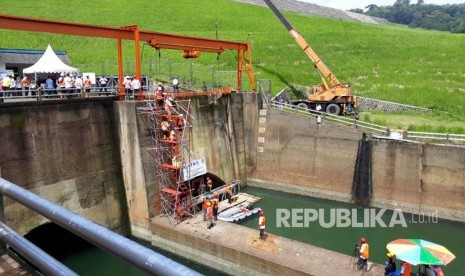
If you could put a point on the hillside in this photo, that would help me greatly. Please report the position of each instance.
(411, 66)
(316, 10)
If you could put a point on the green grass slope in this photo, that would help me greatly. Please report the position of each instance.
(394, 63)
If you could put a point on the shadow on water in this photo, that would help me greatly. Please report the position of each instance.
(362, 185)
(86, 259)
(341, 238)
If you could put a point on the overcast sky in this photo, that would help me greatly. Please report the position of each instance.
(353, 4)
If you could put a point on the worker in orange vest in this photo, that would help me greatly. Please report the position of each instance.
(228, 192)
(210, 214)
(406, 268)
(262, 224)
(364, 254)
(216, 203)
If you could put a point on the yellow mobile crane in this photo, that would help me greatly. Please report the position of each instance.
(331, 95)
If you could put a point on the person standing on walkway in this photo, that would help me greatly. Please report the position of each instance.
(26, 82)
(1, 88)
(78, 84)
(127, 87)
(87, 86)
(204, 208)
(262, 224)
(68, 85)
(103, 84)
(135, 84)
(364, 254)
(228, 192)
(210, 214)
(49, 86)
(13, 86)
(216, 203)
(6, 85)
(209, 184)
(175, 84)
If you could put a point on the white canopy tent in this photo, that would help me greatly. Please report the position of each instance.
(49, 63)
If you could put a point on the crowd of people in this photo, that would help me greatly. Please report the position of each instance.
(210, 205)
(14, 87)
(63, 85)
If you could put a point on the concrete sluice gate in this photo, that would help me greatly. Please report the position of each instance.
(94, 158)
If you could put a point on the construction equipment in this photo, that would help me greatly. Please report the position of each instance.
(331, 95)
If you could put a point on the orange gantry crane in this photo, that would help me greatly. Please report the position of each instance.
(191, 46)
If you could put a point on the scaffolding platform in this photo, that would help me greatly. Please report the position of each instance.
(169, 166)
(176, 200)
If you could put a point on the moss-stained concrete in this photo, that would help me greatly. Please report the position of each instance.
(67, 154)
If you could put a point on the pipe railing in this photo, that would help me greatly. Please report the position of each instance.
(137, 255)
(33, 253)
(369, 127)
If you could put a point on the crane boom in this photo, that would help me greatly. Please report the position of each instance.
(323, 70)
(331, 95)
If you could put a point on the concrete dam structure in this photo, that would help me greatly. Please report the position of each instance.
(93, 158)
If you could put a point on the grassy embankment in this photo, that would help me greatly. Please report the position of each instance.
(394, 63)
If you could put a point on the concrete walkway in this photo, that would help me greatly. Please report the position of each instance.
(241, 245)
(8, 266)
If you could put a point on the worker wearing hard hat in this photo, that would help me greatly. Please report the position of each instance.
(216, 205)
(364, 254)
(262, 224)
(210, 214)
(389, 265)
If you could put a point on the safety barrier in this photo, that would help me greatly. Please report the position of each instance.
(369, 127)
(137, 255)
(54, 94)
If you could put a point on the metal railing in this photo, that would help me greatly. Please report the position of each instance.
(32, 253)
(369, 127)
(55, 94)
(449, 137)
(137, 255)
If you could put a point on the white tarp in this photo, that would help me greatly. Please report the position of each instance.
(49, 63)
(194, 168)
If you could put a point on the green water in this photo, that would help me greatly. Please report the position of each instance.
(343, 239)
(95, 261)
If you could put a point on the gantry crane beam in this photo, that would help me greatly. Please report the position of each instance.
(156, 39)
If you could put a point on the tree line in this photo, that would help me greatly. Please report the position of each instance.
(449, 17)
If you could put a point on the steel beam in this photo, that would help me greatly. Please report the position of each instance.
(60, 27)
(139, 256)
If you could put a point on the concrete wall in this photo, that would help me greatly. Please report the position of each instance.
(219, 133)
(419, 177)
(67, 154)
(296, 155)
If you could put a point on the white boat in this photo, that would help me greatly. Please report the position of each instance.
(238, 212)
